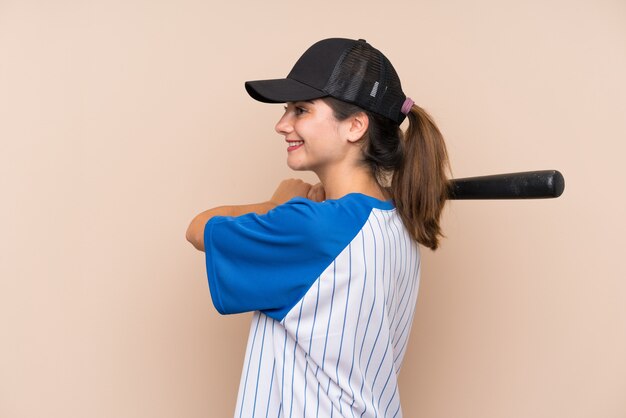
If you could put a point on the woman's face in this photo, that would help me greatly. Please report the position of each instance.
(316, 141)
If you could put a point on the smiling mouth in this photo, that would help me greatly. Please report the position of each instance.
(293, 145)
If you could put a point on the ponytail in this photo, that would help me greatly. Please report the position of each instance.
(417, 162)
(419, 187)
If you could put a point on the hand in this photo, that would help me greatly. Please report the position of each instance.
(288, 189)
(317, 193)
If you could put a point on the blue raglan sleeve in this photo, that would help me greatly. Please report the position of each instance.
(268, 262)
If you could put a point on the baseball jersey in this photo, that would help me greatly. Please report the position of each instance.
(333, 287)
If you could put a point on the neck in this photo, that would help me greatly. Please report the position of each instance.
(340, 181)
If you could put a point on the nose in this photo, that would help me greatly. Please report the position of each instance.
(284, 125)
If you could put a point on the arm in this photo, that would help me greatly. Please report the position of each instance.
(287, 190)
(195, 231)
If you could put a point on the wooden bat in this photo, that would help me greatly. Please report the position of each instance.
(542, 184)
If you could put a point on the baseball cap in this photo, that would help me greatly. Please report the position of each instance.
(349, 70)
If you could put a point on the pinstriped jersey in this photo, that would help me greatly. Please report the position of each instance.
(333, 286)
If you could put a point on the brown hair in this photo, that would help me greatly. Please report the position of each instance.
(416, 160)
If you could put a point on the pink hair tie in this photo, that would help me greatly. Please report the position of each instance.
(407, 105)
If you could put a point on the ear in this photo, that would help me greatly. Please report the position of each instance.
(357, 126)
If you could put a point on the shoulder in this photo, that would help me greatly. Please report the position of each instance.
(345, 215)
(298, 224)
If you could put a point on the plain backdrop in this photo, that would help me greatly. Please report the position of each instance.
(121, 120)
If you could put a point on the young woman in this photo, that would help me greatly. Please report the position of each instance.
(332, 270)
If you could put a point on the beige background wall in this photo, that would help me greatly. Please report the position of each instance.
(120, 120)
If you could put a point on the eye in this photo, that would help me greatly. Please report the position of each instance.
(297, 110)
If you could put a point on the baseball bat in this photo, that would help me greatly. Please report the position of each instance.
(542, 184)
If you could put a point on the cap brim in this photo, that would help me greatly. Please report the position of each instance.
(281, 90)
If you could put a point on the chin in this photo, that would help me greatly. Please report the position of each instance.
(297, 166)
